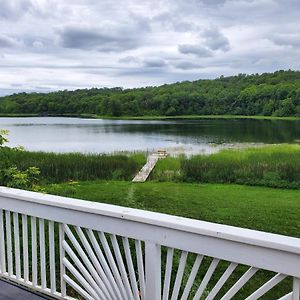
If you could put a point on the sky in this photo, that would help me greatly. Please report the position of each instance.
(48, 45)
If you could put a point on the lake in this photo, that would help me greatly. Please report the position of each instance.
(57, 134)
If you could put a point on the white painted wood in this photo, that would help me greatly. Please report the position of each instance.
(266, 287)
(83, 270)
(8, 243)
(185, 234)
(52, 257)
(168, 274)
(25, 248)
(289, 296)
(42, 253)
(296, 289)
(81, 279)
(107, 288)
(240, 283)
(153, 270)
(34, 251)
(121, 266)
(104, 264)
(112, 264)
(108, 270)
(77, 288)
(206, 279)
(140, 265)
(221, 281)
(192, 277)
(130, 268)
(63, 289)
(17, 245)
(179, 275)
(2, 244)
(86, 260)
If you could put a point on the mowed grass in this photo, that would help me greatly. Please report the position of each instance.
(266, 209)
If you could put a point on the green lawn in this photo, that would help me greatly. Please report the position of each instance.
(272, 210)
(266, 209)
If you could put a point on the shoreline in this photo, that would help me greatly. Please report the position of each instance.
(181, 117)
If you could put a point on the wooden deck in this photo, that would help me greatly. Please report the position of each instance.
(144, 173)
(152, 159)
(10, 291)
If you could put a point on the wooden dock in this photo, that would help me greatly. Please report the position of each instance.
(152, 159)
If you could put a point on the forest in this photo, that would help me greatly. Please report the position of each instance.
(267, 94)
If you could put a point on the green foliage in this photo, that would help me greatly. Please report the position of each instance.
(12, 177)
(273, 166)
(3, 138)
(269, 94)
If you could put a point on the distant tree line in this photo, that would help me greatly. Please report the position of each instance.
(268, 94)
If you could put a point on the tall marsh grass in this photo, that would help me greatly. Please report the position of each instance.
(74, 166)
(273, 166)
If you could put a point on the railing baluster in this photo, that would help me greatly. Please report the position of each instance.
(17, 245)
(153, 270)
(266, 287)
(179, 275)
(2, 244)
(52, 257)
(25, 247)
(83, 269)
(112, 263)
(221, 281)
(104, 263)
(42, 253)
(61, 257)
(34, 251)
(140, 265)
(121, 266)
(168, 273)
(296, 288)
(130, 267)
(206, 278)
(240, 283)
(9, 244)
(192, 277)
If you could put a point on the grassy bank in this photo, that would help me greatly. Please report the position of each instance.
(273, 166)
(74, 166)
(251, 207)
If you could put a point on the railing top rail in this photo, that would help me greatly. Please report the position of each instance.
(225, 232)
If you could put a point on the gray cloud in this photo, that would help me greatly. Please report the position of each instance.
(194, 49)
(8, 42)
(215, 39)
(187, 65)
(105, 38)
(287, 39)
(154, 62)
(11, 9)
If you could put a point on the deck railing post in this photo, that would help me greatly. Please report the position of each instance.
(153, 271)
(296, 288)
(61, 256)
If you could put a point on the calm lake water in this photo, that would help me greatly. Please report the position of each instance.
(104, 136)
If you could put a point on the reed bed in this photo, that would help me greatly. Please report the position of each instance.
(272, 166)
(55, 167)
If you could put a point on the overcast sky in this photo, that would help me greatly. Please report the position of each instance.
(66, 44)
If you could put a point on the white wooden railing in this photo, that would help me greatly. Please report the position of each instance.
(69, 248)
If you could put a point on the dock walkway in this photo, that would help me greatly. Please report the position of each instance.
(149, 166)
